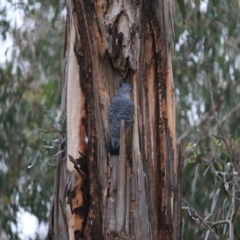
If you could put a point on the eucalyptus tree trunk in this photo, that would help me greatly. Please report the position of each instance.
(135, 195)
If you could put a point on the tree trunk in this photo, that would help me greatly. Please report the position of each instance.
(135, 195)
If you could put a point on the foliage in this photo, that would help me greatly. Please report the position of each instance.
(214, 189)
(30, 80)
(215, 24)
(209, 32)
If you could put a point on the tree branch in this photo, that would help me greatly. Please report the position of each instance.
(196, 214)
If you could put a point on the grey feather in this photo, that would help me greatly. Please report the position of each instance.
(121, 108)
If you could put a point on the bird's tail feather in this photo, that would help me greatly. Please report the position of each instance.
(113, 146)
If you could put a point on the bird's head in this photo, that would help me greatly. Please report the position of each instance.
(124, 88)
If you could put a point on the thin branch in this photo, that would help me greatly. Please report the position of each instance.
(231, 228)
(230, 173)
(210, 165)
(232, 195)
(223, 174)
(196, 214)
(214, 224)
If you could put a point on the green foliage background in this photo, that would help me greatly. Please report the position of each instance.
(210, 32)
(30, 80)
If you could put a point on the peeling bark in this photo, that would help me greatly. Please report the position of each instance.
(137, 194)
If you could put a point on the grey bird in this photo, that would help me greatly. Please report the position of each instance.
(121, 108)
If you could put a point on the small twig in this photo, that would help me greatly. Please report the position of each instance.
(75, 163)
(231, 228)
(221, 175)
(210, 165)
(219, 222)
(218, 137)
(229, 173)
(196, 214)
(236, 210)
(232, 195)
(77, 166)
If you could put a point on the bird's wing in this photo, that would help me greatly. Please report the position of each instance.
(120, 109)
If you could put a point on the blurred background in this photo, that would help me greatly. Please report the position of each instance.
(31, 71)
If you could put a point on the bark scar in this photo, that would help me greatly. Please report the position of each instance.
(78, 194)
